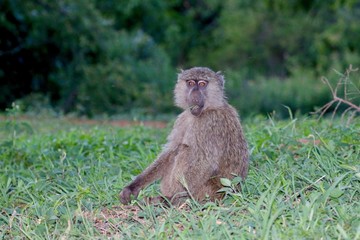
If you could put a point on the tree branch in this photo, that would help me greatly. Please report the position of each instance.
(344, 80)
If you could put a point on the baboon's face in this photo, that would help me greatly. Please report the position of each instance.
(198, 89)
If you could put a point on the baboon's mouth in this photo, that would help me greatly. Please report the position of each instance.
(196, 110)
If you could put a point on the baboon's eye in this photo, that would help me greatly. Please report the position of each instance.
(190, 83)
(202, 83)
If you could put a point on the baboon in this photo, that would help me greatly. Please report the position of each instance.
(205, 144)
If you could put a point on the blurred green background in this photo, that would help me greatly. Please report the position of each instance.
(108, 57)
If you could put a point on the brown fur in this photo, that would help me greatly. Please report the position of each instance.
(204, 145)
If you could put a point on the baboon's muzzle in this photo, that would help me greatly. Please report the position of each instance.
(196, 102)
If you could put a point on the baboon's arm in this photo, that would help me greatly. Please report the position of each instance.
(153, 172)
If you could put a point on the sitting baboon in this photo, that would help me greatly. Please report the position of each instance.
(205, 144)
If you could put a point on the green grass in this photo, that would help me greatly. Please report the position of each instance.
(57, 180)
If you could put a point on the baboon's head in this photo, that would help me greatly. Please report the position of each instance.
(199, 88)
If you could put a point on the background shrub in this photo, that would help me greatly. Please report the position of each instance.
(110, 57)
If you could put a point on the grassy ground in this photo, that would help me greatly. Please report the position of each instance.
(61, 181)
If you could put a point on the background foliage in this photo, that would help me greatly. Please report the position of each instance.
(94, 57)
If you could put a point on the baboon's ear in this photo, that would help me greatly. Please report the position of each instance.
(220, 78)
(181, 72)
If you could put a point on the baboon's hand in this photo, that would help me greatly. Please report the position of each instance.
(125, 195)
